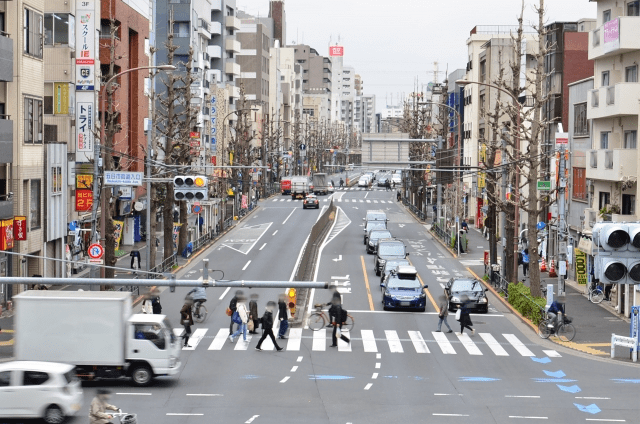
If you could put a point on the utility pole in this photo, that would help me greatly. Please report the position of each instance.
(503, 215)
(439, 188)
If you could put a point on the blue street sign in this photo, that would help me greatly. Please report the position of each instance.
(214, 120)
(214, 139)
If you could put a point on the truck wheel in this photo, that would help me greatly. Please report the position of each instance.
(141, 375)
(53, 415)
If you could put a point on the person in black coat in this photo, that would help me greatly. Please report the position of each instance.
(465, 319)
(283, 316)
(253, 313)
(233, 307)
(267, 327)
(156, 306)
(338, 317)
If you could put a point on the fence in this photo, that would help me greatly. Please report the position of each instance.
(499, 283)
(442, 234)
(203, 240)
(166, 266)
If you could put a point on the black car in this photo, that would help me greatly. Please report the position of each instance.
(374, 236)
(388, 249)
(373, 225)
(469, 290)
(384, 182)
(310, 201)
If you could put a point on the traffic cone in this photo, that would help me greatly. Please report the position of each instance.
(543, 266)
(552, 270)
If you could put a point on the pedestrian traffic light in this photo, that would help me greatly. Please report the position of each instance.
(619, 260)
(190, 187)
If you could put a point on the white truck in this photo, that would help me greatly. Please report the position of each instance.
(97, 332)
(299, 187)
(320, 183)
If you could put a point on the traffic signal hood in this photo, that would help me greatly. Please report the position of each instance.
(615, 237)
(190, 187)
(617, 270)
(618, 258)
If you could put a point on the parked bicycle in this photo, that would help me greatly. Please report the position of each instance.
(319, 319)
(563, 329)
(596, 293)
(199, 311)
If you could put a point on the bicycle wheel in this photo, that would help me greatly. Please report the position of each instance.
(543, 329)
(348, 323)
(597, 295)
(566, 332)
(200, 314)
(316, 321)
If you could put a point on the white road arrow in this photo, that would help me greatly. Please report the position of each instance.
(401, 225)
(338, 259)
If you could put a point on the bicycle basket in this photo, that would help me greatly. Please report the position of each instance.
(568, 320)
(129, 419)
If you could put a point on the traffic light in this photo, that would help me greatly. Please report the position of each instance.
(619, 260)
(190, 187)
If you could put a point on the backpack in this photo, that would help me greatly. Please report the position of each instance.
(343, 315)
(236, 317)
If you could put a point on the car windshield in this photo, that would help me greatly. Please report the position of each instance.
(380, 234)
(464, 285)
(70, 376)
(376, 216)
(396, 283)
(376, 225)
(394, 264)
(391, 249)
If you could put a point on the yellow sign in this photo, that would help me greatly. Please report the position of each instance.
(483, 153)
(117, 232)
(230, 158)
(61, 95)
(84, 181)
(581, 267)
(482, 180)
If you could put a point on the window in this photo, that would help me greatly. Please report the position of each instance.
(32, 121)
(604, 140)
(48, 98)
(631, 73)
(33, 33)
(605, 78)
(56, 180)
(631, 139)
(579, 183)
(604, 199)
(34, 207)
(181, 29)
(580, 124)
(628, 204)
(5, 378)
(34, 378)
(151, 332)
(56, 28)
(606, 16)
(633, 8)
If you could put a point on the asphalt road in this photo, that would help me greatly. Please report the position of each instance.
(395, 370)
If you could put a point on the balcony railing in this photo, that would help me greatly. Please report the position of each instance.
(203, 24)
(611, 95)
(608, 159)
(595, 98)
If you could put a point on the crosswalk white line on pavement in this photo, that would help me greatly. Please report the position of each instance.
(361, 201)
(354, 200)
(518, 345)
(342, 345)
(552, 354)
(369, 341)
(288, 200)
(418, 342)
(368, 201)
(375, 201)
(394, 341)
(178, 331)
(267, 344)
(219, 339)
(493, 344)
(241, 344)
(195, 338)
(295, 337)
(469, 344)
(319, 339)
(443, 343)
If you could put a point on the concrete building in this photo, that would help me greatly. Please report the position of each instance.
(291, 85)
(223, 45)
(365, 114)
(612, 107)
(254, 59)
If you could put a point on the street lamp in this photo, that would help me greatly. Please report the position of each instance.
(516, 189)
(96, 169)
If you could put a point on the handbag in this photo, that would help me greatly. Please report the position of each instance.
(236, 318)
(458, 314)
(229, 312)
(250, 326)
(186, 322)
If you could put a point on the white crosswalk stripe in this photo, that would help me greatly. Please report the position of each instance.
(493, 344)
(394, 341)
(342, 345)
(468, 344)
(518, 345)
(443, 343)
(375, 201)
(241, 344)
(552, 354)
(320, 340)
(195, 338)
(295, 338)
(219, 339)
(368, 201)
(418, 342)
(369, 341)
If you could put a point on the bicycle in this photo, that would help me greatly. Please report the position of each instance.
(596, 293)
(565, 331)
(199, 311)
(124, 417)
(319, 319)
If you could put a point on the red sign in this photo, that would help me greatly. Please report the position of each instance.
(95, 251)
(214, 160)
(6, 234)
(336, 51)
(84, 200)
(20, 228)
(194, 134)
(84, 61)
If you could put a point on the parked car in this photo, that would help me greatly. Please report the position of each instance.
(460, 290)
(390, 266)
(311, 201)
(402, 289)
(47, 390)
(388, 249)
(373, 225)
(374, 236)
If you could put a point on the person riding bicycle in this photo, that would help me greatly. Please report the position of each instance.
(555, 309)
(99, 405)
(199, 296)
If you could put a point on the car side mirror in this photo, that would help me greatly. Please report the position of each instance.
(407, 253)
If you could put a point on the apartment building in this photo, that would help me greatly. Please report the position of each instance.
(223, 45)
(612, 108)
(291, 86)
(365, 114)
(254, 58)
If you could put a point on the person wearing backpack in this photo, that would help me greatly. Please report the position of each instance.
(339, 317)
(240, 317)
(233, 307)
(267, 327)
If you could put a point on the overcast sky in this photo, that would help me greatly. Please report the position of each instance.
(391, 43)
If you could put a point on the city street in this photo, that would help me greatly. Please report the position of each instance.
(397, 369)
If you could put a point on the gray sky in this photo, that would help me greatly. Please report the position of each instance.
(390, 53)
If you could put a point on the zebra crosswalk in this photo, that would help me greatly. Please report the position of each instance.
(390, 341)
(342, 200)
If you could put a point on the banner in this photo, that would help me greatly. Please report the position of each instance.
(176, 231)
(245, 204)
(20, 228)
(581, 267)
(84, 200)
(117, 232)
(84, 181)
(6, 234)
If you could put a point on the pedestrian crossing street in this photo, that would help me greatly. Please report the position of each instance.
(341, 200)
(365, 340)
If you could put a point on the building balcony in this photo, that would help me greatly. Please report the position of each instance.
(232, 68)
(215, 76)
(233, 45)
(216, 5)
(214, 52)
(618, 36)
(6, 57)
(612, 164)
(6, 139)
(613, 101)
(235, 92)
(232, 22)
(215, 28)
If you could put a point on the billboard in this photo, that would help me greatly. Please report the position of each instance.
(336, 51)
(85, 41)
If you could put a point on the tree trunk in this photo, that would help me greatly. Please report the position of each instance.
(153, 225)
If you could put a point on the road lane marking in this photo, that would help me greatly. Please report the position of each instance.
(369, 341)
(247, 265)
(195, 338)
(552, 354)
(449, 415)
(171, 414)
(528, 418)
(366, 282)
(418, 342)
(433, 302)
(526, 397)
(606, 420)
(299, 359)
(342, 345)
(469, 344)
(368, 386)
(444, 343)
(134, 394)
(518, 345)
(493, 344)
(178, 332)
(447, 394)
(204, 394)
(374, 376)
(284, 380)
(377, 365)
(319, 340)
(378, 355)
(285, 221)
(263, 246)
(295, 337)
(394, 341)
(275, 232)
(593, 398)
(294, 368)
(219, 339)
(224, 293)
(250, 420)
(241, 344)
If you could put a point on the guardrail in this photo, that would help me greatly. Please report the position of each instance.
(443, 234)
(499, 283)
(166, 266)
